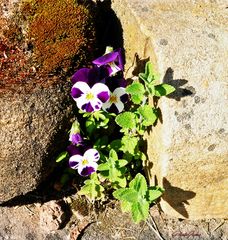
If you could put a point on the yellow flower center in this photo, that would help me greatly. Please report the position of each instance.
(113, 99)
(84, 162)
(89, 96)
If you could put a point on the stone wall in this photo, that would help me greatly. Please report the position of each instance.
(188, 153)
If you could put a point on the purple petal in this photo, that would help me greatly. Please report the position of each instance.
(120, 58)
(124, 98)
(107, 58)
(87, 107)
(76, 92)
(76, 138)
(113, 109)
(81, 75)
(87, 171)
(115, 82)
(103, 96)
(73, 150)
(73, 164)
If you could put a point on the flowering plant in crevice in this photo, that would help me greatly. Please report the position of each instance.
(107, 146)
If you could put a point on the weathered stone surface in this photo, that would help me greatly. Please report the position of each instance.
(23, 223)
(187, 41)
(33, 130)
(41, 43)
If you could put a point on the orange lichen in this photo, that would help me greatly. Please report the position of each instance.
(60, 31)
(14, 66)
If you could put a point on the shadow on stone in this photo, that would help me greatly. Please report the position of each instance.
(178, 83)
(177, 197)
(45, 192)
(139, 65)
(109, 30)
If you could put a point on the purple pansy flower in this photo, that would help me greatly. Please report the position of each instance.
(116, 101)
(112, 60)
(76, 138)
(85, 164)
(90, 75)
(90, 99)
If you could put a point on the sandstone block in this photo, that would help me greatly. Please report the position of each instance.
(187, 41)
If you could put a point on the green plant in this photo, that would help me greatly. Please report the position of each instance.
(115, 118)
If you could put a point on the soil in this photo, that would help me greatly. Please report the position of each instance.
(73, 217)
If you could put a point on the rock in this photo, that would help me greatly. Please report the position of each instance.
(23, 223)
(35, 103)
(33, 131)
(52, 216)
(187, 41)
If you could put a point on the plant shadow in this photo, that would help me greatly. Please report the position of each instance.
(176, 197)
(180, 92)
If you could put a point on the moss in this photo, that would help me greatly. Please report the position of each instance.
(60, 31)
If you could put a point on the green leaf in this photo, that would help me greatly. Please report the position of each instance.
(92, 188)
(121, 182)
(150, 74)
(135, 89)
(163, 89)
(121, 163)
(139, 184)
(90, 126)
(115, 144)
(62, 156)
(140, 211)
(126, 194)
(137, 92)
(137, 99)
(129, 144)
(154, 193)
(103, 167)
(113, 154)
(126, 120)
(149, 115)
(125, 206)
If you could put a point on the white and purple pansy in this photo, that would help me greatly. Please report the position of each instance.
(86, 164)
(113, 61)
(116, 101)
(90, 99)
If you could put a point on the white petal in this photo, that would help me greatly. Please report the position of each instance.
(114, 68)
(119, 105)
(92, 155)
(83, 86)
(119, 91)
(75, 159)
(94, 165)
(106, 105)
(81, 101)
(99, 88)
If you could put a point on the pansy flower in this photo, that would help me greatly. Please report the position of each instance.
(112, 60)
(86, 164)
(90, 76)
(116, 101)
(75, 136)
(90, 99)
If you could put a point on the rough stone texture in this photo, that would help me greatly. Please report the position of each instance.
(23, 223)
(187, 41)
(33, 130)
(35, 103)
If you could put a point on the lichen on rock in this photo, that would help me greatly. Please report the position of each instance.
(59, 31)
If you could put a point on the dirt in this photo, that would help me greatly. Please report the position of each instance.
(73, 217)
